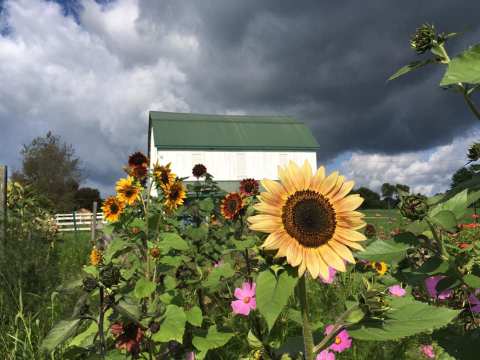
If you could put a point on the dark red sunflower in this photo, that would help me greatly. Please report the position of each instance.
(249, 187)
(137, 159)
(199, 170)
(231, 205)
(127, 336)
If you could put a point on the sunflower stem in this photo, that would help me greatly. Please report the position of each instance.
(307, 329)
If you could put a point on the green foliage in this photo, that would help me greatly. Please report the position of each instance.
(464, 68)
(60, 333)
(406, 317)
(211, 340)
(387, 251)
(273, 292)
(172, 326)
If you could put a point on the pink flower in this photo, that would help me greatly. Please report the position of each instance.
(474, 302)
(246, 299)
(190, 356)
(431, 285)
(218, 263)
(397, 290)
(427, 351)
(342, 340)
(325, 355)
(331, 276)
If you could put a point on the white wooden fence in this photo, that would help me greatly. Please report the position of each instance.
(77, 221)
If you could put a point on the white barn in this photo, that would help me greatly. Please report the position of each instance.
(232, 147)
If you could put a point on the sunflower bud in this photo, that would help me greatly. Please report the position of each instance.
(154, 326)
(199, 170)
(155, 252)
(89, 284)
(423, 39)
(474, 152)
(373, 303)
(414, 207)
(110, 275)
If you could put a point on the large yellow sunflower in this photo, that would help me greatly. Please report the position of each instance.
(127, 191)
(163, 175)
(112, 208)
(174, 194)
(310, 218)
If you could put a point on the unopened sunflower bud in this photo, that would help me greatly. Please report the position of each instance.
(199, 170)
(474, 152)
(414, 207)
(370, 231)
(154, 326)
(423, 39)
(373, 303)
(89, 284)
(110, 275)
(155, 252)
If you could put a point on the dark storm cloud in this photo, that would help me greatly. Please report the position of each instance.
(327, 64)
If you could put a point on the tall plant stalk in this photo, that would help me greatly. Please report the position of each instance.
(307, 329)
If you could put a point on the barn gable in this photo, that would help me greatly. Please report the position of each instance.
(232, 147)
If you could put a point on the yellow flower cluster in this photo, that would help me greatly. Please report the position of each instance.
(174, 191)
(96, 257)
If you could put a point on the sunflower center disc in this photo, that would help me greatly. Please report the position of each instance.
(232, 206)
(309, 218)
(114, 208)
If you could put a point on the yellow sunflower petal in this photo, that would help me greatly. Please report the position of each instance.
(273, 200)
(273, 187)
(272, 241)
(285, 179)
(352, 244)
(352, 223)
(336, 187)
(348, 234)
(301, 269)
(344, 190)
(328, 183)
(295, 175)
(268, 209)
(313, 265)
(307, 174)
(342, 251)
(318, 178)
(286, 240)
(294, 254)
(323, 266)
(331, 258)
(348, 203)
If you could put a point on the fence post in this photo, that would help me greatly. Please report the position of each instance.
(94, 223)
(75, 224)
(3, 209)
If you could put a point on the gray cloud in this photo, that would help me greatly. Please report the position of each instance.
(93, 75)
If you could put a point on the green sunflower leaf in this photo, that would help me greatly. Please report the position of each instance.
(62, 331)
(407, 317)
(272, 293)
(388, 251)
(464, 68)
(212, 340)
(173, 325)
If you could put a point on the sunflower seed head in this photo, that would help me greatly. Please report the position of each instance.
(89, 284)
(110, 275)
(414, 207)
(423, 39)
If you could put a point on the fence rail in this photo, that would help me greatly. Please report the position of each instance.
(77, 221)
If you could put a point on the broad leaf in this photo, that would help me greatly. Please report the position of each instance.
(144, 288)
(472, 280)
(464, 68)
(172, 241)
(457, 204)
(406, 318)
(194, 316)
(223, 271)
(212, 340)
(63, 330)
(445, 219)
(410, 67)
(173, 325)
(387, 251)
(272, 293)
(115, 247)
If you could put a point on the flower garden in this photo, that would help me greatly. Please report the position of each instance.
(287, 269)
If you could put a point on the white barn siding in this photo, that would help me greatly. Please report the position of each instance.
(230, 165)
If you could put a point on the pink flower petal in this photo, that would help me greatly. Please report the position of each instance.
(239, 307)
(325, 355)
(397, 290)
(328, 329)
(331, 276)
(239, 293)
(248, 289)
(252, 303)
(427, 351)
(341, 342)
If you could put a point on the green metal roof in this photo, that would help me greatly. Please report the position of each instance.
(229, 132)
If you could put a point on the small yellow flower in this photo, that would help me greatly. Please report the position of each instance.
(112, 208)
(380, 267)
(95, 256)
(174, 195)
(127, 191)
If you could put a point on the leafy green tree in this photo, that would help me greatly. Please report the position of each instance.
(402, 188)
(461, 175)
(50, 166)
(371, 198)
(84, 198)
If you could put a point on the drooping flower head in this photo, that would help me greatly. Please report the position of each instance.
(427, 351)
(331, 276)
(245, 299)
(127, 336)
(139, 173)
(137, 159)
(431, 285)
(163, 175)
(325, 355)
(423, 39)
(112, 208)
(397, 290)
(249, 187)
(414, 207)
(96, 257)
(199, 170)
(231, 205)
(380, 267)
(341, 342)
(127, 191)
(174, 194)
(310, 218)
